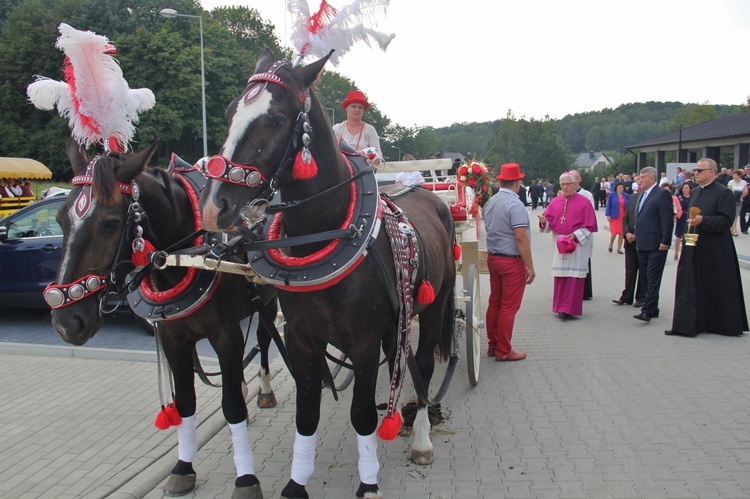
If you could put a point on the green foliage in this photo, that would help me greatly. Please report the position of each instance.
(693, 114)
(535, 145)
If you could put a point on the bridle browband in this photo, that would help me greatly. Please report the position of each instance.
(221, 168)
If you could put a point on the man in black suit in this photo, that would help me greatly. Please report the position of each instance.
(634, 280)
(653, 236)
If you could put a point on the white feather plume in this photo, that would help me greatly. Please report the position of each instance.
(349, 25)
(95, 98)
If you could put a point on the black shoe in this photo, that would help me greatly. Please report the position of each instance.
(672, 332)
(609, 249)
(564, 316)
(642, 317)
(638, 304)
(744, 232)
(620, 302)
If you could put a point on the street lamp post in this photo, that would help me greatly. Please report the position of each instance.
(173, 13)
(679, 144)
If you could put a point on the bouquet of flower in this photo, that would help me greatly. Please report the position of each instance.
(477, 176)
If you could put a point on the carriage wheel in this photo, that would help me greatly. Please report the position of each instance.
(474, 324)
(340, 385)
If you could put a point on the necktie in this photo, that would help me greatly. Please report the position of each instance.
(640, 202)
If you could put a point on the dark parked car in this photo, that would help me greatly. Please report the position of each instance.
(30, 248)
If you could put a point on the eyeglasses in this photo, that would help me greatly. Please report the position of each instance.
(700, 170)
(566, 184)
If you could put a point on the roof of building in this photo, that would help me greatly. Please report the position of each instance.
(725, 127)
(586, 159)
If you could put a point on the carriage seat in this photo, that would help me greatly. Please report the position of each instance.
(453, 194)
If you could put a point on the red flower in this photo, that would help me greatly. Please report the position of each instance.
(476, 169)
(463, 171)
(472, 181)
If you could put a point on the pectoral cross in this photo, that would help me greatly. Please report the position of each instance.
(562, 219)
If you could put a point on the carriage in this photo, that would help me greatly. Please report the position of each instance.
(411, 273)
(472, 262)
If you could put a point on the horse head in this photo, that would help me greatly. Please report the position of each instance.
(266, 127)
(93, 220)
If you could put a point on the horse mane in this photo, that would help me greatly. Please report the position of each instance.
(166, 180)
(106, 192)
(105, 189)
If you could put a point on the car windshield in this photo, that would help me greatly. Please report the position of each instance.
(37, 222)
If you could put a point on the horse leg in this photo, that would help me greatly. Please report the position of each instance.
(306, 363)
(229, 348)
(266, 397)
(364, 418)
(180, 357)
(422, 449)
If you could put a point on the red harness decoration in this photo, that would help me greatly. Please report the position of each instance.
(278, 257)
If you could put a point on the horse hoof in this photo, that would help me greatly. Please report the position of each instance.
(252, 492)
(293, 490)
(369, 491)
(179, 485)
(266, 400)
(422, 456)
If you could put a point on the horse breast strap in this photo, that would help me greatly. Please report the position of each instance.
(197, 287)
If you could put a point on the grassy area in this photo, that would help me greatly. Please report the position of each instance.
(37, 186)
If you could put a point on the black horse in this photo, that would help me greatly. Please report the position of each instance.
(354, 307)
(98, 235)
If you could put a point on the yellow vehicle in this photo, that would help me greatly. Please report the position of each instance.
(20, 168)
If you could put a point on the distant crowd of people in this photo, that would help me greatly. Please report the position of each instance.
(10, 188)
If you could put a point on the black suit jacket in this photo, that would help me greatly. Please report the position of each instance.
(655, 221)
(628, 219)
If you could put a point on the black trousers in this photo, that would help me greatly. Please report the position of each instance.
(635, 285)
(588, 286)
(744, 221)
(653, 264)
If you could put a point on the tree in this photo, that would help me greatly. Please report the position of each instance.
(533, 144)
(693, 114)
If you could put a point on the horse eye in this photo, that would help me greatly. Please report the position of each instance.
(279, 120)
(111, 224)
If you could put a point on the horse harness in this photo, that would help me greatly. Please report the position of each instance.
(197, 287)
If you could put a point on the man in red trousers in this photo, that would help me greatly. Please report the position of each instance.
(509, 261)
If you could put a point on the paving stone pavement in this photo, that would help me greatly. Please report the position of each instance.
(604, 407)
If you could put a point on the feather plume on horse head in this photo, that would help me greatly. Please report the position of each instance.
(328, 28)
(95, 98)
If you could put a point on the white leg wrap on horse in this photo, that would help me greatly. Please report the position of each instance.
(187, 439)
(244, 461)
(264, 377)
(303, 458)
(422, 431)
(368, 458)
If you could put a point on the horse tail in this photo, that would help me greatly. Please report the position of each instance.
(448, 329)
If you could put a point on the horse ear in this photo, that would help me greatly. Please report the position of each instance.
(77, 156)
(309, 73)
(135, 164)
(264, 61)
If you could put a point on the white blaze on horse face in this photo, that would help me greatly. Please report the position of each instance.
(244, 115)
(75, 227)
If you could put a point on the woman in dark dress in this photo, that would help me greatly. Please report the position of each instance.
(679, 227)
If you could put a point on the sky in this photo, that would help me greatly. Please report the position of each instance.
(474, 60)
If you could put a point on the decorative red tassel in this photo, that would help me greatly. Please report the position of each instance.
(302, 170)
(168, 416)
(173, 415)
(142, 257)
(426, 293)
(456, 251)
(390, 427)
(162, 419)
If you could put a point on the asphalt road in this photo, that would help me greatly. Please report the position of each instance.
(120, 331)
